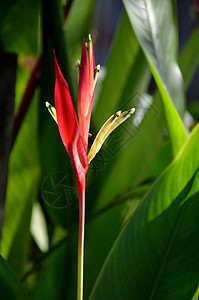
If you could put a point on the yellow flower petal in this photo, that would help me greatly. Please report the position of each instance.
(113, 122)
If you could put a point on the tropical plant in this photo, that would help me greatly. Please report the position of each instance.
(142, 187)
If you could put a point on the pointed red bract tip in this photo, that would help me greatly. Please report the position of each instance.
(86, 91)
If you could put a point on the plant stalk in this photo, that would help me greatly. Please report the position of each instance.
(80, 273)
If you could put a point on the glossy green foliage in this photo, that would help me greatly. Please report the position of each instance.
(188, 59)
(21, 192)
(19, 34)
(154, 236)
(160, 48)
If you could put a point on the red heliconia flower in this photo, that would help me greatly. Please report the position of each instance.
(69, 128)
(75, 134)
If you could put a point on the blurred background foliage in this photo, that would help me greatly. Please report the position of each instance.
(132, 250)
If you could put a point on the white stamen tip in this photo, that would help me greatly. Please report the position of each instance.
(89, 37)
(132, 110)
(97, 68)
(118, 113)
(51, 110)
(78, 63)
(96, 73)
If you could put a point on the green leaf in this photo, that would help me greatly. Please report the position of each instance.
(11, 288)
(19, 34)
(189, 57)
(188, 61)
(150, 251)
(162, 159)
(195, 297)
(21, 192)
(52, 279)
(78, 26)
(151, 21)
(97, 233)
(194, 110)
(121, 61)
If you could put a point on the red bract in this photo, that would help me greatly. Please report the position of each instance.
(69, 128)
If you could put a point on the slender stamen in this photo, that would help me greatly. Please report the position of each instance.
(113, 122)
(52, 111)
(89, 38)
(90, 59)
(96, 73)
(78, 68)
(100, 138)
(89, 47)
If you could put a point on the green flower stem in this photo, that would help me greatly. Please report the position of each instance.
(80, 272)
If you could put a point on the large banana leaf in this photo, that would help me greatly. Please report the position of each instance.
(156, 254)
(154, 26)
